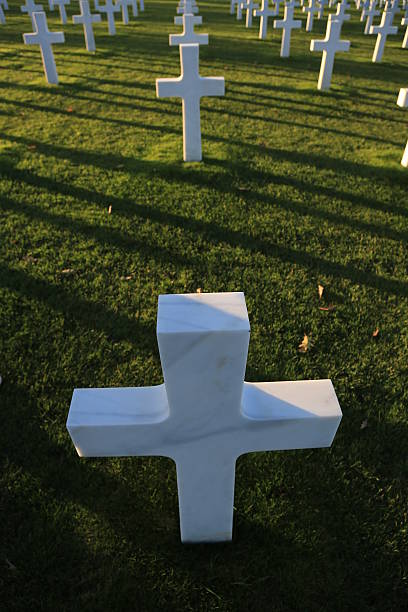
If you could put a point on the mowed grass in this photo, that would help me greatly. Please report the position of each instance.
(297, 188)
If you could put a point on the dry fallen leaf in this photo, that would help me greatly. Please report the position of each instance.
(129, 277)
(110, 209)
(320, 289)
(303, 345)
(67, 271)
(376, 332)
(199, 290)
(32, 147)
(327, 308)
(69, 109)
(10, 565)
(364, 424)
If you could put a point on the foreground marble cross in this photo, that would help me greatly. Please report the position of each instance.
(330, 45)
(383, 30)
(188, 21)
(43, 37)
(87, 19)
(204, 416)
(288, 23)
(191, 87)
(403, 103)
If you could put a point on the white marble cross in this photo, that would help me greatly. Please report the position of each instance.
(249, 6)
(188, 7)
(141, 3)
(340, 14)
(404, 22)
(86, 18)
(288, 23)
(233, 5)
(61, 6)
(110, 9)
(239, 10)
(330, 45)
(403, 103)
(43, 37)
(30, 7)
(310, 10)
(370, 13)
(364, 8)
(123, 6)
(2, 16)
(264, 13)
(383, 30)
(188, 21)
(4, 4)
(204, 416)
(190, 87)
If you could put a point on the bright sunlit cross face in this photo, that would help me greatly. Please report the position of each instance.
(204, 416)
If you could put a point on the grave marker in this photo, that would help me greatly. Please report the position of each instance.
(264, 13)
(30, 7)
(2, 16)
(190, 87)
(311, 10)
(330, 45)
(61, 6)
(109, 9)
(287, 24)
(188, 21)
(404, 22)
(370, 13)
(187, 7)
(403, 103)
(43, 37)
(204, 416)
(249, 6)
(383, 30)
(86, 18)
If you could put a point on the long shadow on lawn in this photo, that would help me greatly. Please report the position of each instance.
(176, 173)
(207, 231)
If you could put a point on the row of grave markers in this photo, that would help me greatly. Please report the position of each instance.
(45, 39)
(190, 86)
(289, 23)
(332, 42)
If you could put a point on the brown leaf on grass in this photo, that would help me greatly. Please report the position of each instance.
(10, 565)
(199, 290)
(70, 109)
(128, 277)
(364, 424)
(376, 332)
(320, 289)
(67, 271)
(327, 308)
(303, 346)
(32, 147)
(110, 209)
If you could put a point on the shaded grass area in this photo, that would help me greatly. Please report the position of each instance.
(297, 188)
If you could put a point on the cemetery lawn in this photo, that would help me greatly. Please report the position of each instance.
(99, 216)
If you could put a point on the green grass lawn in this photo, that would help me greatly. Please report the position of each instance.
(297, 188)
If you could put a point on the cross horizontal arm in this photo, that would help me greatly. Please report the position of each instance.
(289, 415)
(114, 422)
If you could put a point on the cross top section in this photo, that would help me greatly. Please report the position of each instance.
(189, 36)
